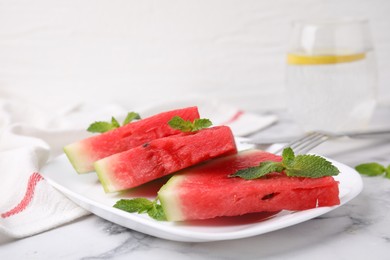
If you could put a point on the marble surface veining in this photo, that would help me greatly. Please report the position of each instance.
(359, 229)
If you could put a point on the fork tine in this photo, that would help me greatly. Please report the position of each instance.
(313, 138)
(309, 137)
(310, 145)
(297, 142)
(305, 143)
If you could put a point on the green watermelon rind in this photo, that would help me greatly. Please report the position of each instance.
(169, 199)
(100, 169)
(77, 157)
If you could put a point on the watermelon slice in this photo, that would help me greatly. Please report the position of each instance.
(84, 153)
(163, 156)
(206, 191)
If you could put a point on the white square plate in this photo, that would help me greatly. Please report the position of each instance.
(86, 191)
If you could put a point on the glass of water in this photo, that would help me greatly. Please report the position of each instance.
(331, 75)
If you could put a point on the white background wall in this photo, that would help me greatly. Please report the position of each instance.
(138, 52)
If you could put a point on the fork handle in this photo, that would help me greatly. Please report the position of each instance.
(368, 134)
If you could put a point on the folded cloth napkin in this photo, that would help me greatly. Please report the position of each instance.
(30, 136)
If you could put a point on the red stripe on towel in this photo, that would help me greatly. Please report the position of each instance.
(234, 117)
(32, 183)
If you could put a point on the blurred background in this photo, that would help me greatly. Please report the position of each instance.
(134, 53)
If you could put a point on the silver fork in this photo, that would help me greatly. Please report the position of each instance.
(305, 143)
(310, 140)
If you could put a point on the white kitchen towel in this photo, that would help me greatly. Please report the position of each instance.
(30, 136)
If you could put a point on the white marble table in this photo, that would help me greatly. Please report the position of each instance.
(357, 230)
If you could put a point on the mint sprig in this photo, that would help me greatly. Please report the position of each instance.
(179, 123)
(140, 206)
(373, 169)
(310, 166)
(102, 126)
(131, 116)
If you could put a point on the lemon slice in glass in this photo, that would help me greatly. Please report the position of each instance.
(300, 59)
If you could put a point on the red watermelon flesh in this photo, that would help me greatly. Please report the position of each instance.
(206, 191)
(163, 156)
(84, 153)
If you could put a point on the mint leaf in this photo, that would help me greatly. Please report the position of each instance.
(179, 123)
(259, 171)
(310, 166)
(387, 170)
(130, 117)
(139, 205)
(371, 169)
(157, 212)
(288, 157)
(201, 123)
(102, 127)
(115, 122)
(142, 205)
